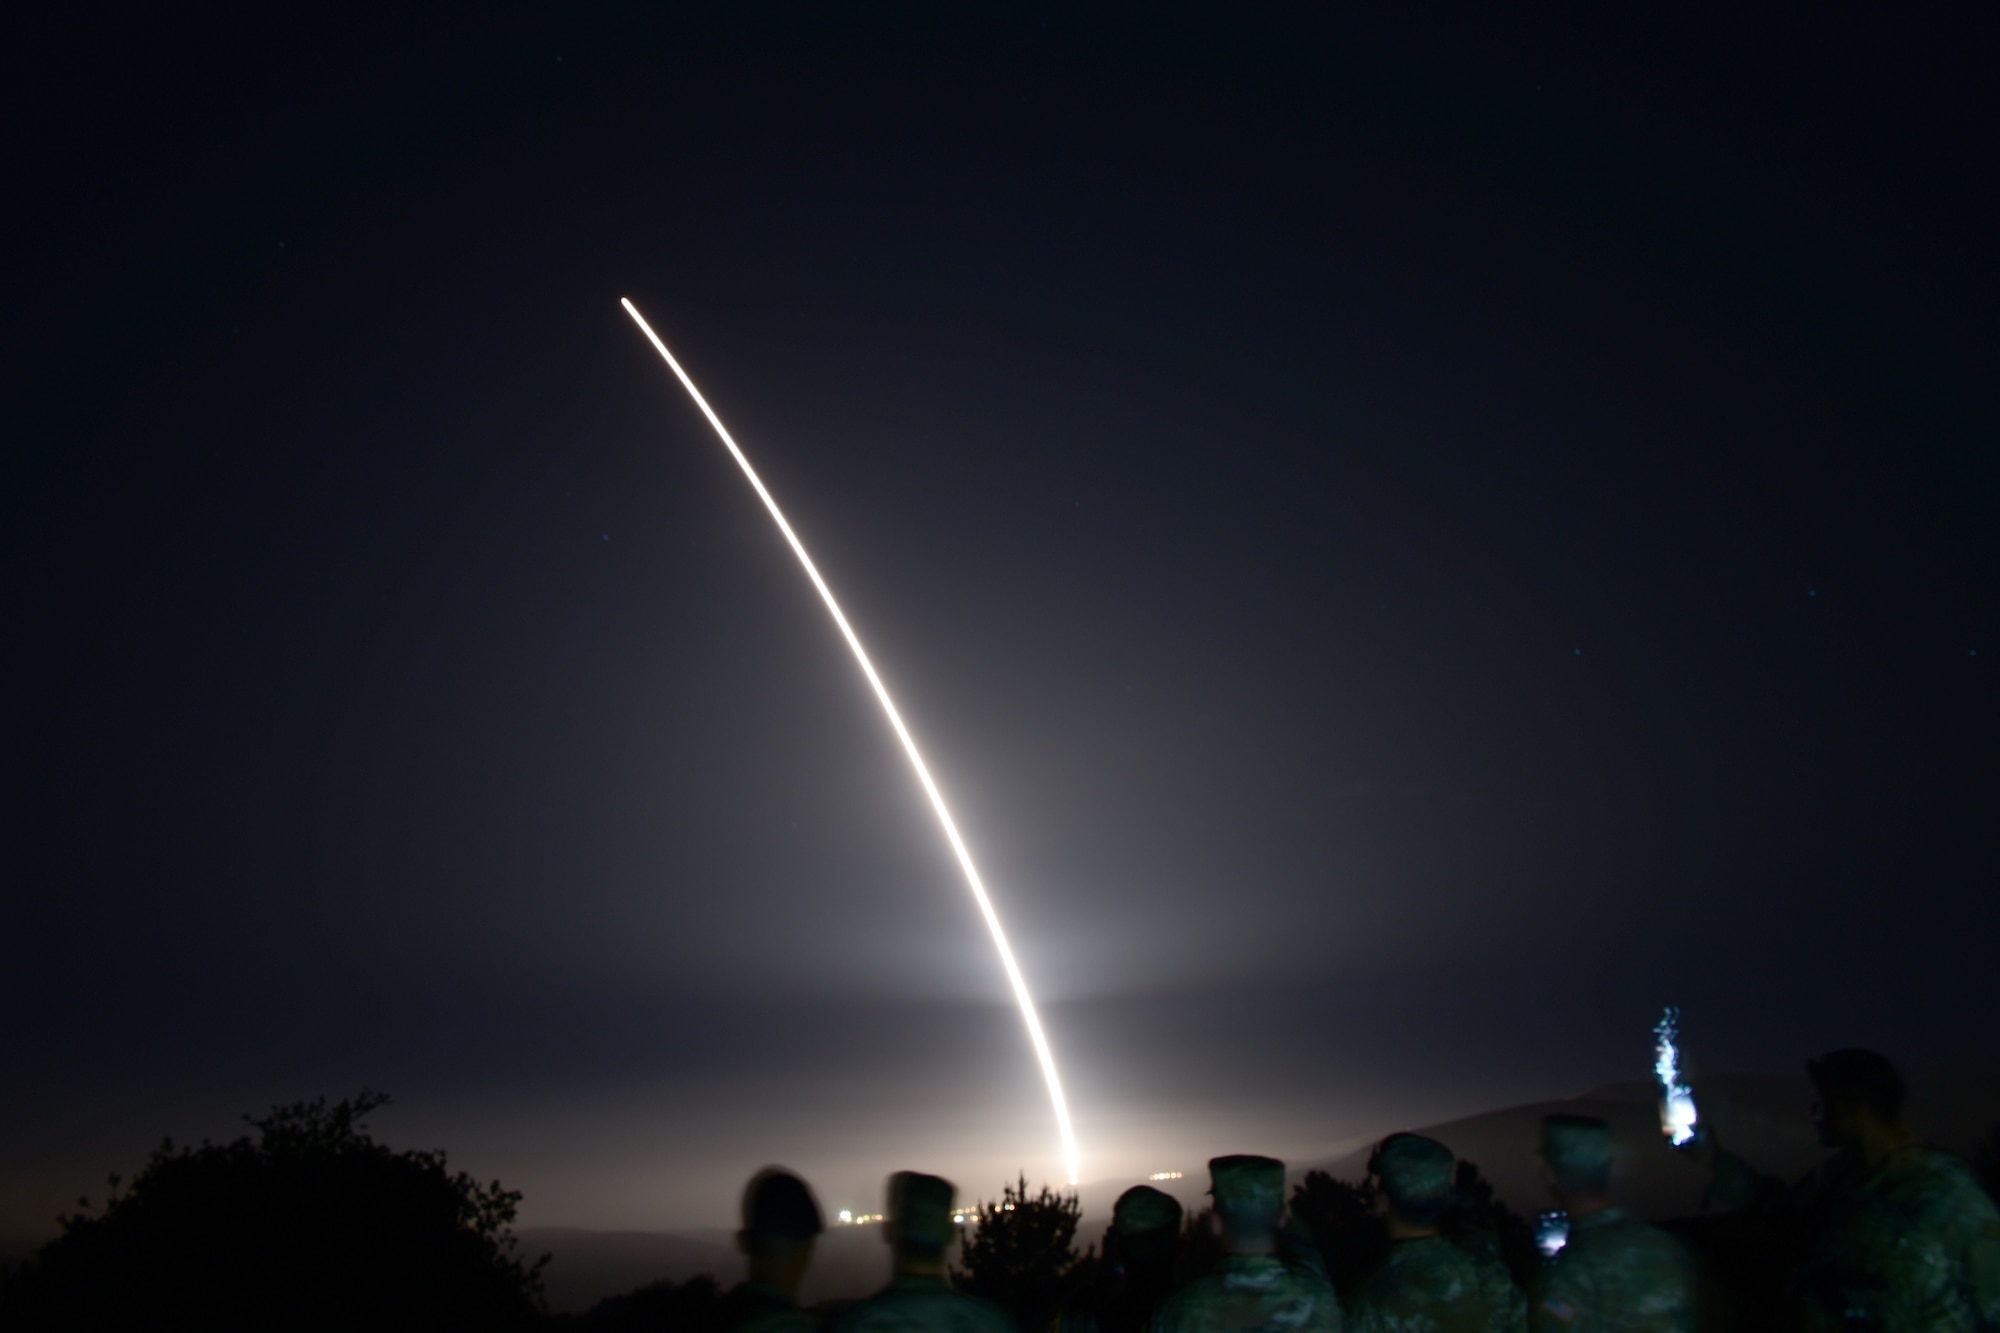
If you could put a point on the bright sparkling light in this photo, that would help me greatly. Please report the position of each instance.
(1014, 978)
(847, 1218)
(1165, 1175)
(1677, 1113)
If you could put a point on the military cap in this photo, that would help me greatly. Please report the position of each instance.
(1855, 1075)
(1143, 1208)
(1247, 1184)
(1413, 1169)
(778, 1203)
(1578, 1147)
(920, 1206)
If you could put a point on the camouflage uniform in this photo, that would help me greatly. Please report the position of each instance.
(1252, 1294)
(1431, 1285)
(1911, 1245)
(1617, 1275)
(921, 1304)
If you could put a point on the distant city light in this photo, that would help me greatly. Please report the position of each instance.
(851, 1219)
(1165, 1175)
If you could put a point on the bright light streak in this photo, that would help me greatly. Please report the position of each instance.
(1013, 969)
(1677, 1113)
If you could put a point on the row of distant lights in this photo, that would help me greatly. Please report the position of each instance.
(847, 1218)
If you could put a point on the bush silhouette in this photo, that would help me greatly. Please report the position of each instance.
(1341, 1219)
(1480, 1222)
(1020, 1250)
(309, 1224)
(1201, 1250)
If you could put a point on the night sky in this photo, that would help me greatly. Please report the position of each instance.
(1409, 542)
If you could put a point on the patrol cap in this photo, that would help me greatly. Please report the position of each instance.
(777, 1203)
(920, 1208)
(1414, 1169)
(1578, 1148)
(1855, 1075)
(1247, 1186)
(1142, 1209)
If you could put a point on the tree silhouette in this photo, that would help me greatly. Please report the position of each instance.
(1341, 1218)
(310, 1224)
(1480, 1221)
(1201, 1250)
(1020, 1250)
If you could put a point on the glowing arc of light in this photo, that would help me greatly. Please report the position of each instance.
(1015, 979)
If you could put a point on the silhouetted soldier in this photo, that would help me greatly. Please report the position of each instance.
(1888, 1234)
(781, 1221)
(1614, 1272)
(1259, 1286)
(1429, 1284)
(1136, 1270)
(918, 1299)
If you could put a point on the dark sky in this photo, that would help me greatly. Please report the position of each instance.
(1410, 542)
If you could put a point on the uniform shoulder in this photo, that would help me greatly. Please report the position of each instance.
(1424, 1275)
(1945, 1189)
(1622, 1249)
(928, 1309)
(1182, 1308)
(1948, 1169)
(1253, 1294)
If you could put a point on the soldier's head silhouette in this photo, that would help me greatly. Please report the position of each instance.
(781, 1219)
(1249, 1197)
(1576, 1158)
(1145, 1229)
(1859, 1095)
(918, 1226)
(1413, 1181)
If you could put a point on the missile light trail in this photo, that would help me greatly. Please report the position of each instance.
(1013, 969)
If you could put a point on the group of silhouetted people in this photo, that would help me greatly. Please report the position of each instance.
(1889, 1234)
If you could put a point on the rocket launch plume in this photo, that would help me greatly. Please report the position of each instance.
(979, 895)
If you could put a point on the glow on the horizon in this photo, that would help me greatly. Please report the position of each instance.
(1013, 969)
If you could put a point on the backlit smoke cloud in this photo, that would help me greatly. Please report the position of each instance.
(1013, 969)
(1677, 1113)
